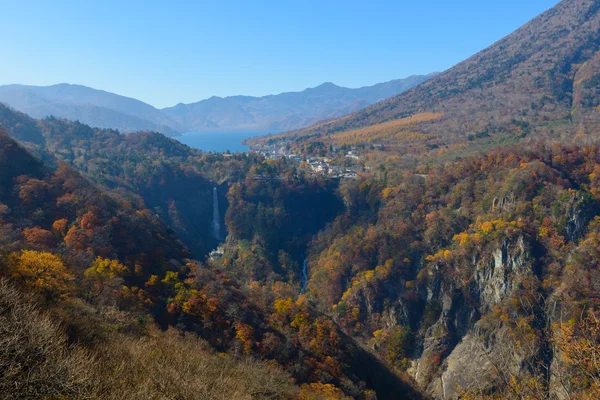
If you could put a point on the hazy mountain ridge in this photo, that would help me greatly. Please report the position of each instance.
(290, 110)
(275, 112)
(90, 106)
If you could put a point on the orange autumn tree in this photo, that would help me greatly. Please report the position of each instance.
(43, 272)
(39, 237)
(76, 238)
(89, 220)
(33, 191)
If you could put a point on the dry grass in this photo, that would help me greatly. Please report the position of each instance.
(37, 362)
(167, 365)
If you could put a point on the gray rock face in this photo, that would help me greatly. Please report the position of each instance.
(469, 365)
(577, 216)
(475, 364)
(499, 277)
(457, 352)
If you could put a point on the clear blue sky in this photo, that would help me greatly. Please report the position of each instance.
(166, 52)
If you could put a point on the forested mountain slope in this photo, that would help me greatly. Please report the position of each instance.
(469, 266)
(75, 311)
(116, 255)
(145, 167)
(471, 277)
(463, 268)
(477, 278)
(540, 80)
(487, 262)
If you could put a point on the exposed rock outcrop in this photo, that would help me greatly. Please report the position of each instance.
(457, 352)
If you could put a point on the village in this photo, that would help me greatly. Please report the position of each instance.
(346, 164)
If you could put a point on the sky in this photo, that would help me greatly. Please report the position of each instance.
(167, 52)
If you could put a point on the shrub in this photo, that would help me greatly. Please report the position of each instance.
(35, 358)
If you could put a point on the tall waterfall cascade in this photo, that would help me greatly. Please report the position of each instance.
(216, 224)
(304, 277)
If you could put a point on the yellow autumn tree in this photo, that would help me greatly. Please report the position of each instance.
(43, 272)
(60, 226)
(104, 269)
(105, 272)
(320, 391)
(579, 347)
(244, 333)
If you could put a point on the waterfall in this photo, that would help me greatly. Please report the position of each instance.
(216, 215)
(304, 277)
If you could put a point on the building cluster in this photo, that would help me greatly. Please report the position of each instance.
(315, 165)
(324, 166)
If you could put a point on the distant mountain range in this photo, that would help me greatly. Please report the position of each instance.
(96, 108)
(285, 111)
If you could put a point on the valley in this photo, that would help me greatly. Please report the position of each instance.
(440, 242)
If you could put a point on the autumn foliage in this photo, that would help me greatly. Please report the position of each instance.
(43, 272)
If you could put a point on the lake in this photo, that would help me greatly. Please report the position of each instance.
(219, 142)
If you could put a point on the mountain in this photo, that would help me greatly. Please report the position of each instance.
(287, 110)
(467, 267)
(189, 213)
(467, 254)
(65, 338)
(460, 258)
(542, 78)
(90, 106)
(165, 189)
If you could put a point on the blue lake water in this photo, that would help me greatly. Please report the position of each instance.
(219, 142)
